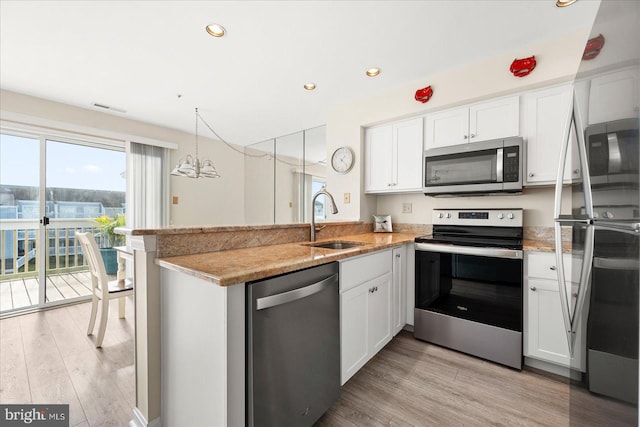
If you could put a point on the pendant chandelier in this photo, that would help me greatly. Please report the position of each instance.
(191, 166)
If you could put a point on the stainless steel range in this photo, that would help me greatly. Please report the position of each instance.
(469, 283)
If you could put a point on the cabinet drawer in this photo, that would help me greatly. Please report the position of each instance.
(543, 265)
(359, 270)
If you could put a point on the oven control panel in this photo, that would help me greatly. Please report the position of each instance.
(487, 217)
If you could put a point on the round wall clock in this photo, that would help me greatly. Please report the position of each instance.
(342, 159)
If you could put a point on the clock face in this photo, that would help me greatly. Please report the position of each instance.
(342, 160)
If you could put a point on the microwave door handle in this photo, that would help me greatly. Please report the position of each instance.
(584, 285)
(564, 299)
(615, 158)
(499, 164)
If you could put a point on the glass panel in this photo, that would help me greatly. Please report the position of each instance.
(83, 183)
(473, 168)
(259, 183)
(289, 178)
(19, 221)
(315, 159)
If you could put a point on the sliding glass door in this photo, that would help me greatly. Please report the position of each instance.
(49, 189)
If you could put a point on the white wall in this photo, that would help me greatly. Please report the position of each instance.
(537, 202)
(557, 60)
(202, 201)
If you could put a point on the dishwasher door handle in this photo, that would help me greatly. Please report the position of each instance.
(296, 294)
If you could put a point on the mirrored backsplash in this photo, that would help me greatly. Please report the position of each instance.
(282, 175)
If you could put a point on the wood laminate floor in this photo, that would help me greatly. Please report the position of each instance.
(413, 383)
(47, 357)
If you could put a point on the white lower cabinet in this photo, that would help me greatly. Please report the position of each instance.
(399, 289)
(544, 330)
(372, 305)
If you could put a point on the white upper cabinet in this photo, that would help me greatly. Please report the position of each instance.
(477, 122)
(545, 115)
(393, 157)
(494, 119)
(609, 96)
(450, 127)
(377, 153)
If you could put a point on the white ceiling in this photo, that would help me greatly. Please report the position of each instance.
(139, 55)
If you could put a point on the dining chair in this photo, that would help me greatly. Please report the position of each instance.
(102, 289)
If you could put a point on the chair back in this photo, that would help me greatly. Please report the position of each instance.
(97, 270)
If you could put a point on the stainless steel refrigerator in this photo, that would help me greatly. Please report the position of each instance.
(597, 223)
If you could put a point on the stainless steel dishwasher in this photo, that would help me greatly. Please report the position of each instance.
(293, 347)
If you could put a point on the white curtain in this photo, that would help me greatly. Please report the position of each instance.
(148, 170)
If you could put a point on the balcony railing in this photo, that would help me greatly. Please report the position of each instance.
(20, 246)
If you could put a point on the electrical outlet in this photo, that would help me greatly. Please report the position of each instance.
(347, 198)
(174, 200)
(407, 208)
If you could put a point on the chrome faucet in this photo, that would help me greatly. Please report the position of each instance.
(334, 210)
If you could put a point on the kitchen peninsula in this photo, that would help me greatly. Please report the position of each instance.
(190, 308)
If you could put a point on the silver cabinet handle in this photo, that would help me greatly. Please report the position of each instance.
(533, 288)
(465, 137)
(397, 255)
(576, 171)
(473, 135)
(531, 174)
(552, 267)
(296, 294)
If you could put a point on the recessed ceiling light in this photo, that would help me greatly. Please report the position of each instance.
(216, 30)
(372, 72)
(563, 3)
(310, 86)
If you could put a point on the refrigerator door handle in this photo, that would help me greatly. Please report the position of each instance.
(629, 228)
(564, 298)
(572, 320)
(584, 285)
(564, 148)
(574, 119)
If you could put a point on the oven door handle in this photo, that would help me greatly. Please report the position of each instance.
(469, 250)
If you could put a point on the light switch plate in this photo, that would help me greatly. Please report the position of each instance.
(347, 198)
(174, 200)
(407, 208)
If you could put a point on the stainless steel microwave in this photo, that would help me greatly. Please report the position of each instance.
(474, 168)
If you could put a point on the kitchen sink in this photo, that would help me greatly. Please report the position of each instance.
(337, 244)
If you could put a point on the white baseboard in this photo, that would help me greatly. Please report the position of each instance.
(140, 421)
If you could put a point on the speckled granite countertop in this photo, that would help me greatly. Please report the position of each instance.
(234, 266)
(538, 245)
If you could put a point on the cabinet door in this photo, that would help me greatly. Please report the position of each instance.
(379, 313)
(450, 127)
(378, 151)
(613, 96)
(407, 155)
(545, 336)
(398, 303)
(545, 117)
(353, 330)
(494, 119)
